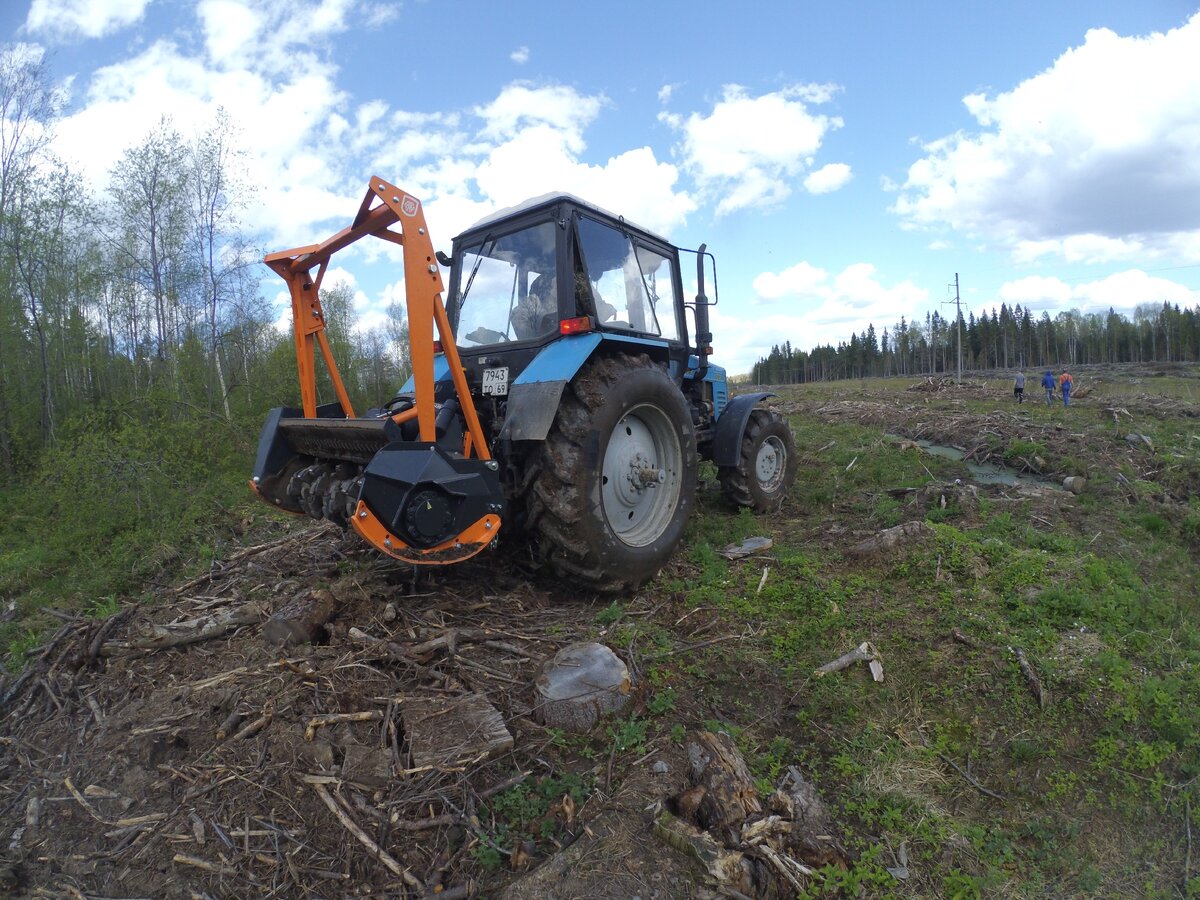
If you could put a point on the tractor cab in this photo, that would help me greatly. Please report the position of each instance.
(558, 266)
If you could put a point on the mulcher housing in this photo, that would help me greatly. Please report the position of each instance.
(567, 399)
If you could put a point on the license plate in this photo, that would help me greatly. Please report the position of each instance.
(495, 381)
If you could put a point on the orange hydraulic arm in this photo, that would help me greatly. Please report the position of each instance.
(423, 289)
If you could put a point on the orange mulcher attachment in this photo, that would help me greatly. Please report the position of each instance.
(410, 486)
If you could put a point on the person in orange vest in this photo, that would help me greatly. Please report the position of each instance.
(1064, 382)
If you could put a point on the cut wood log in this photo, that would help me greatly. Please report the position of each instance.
(730, 794)
(192, 631)
(747, 547)
(864, 652)
(890, 538)
(580, 685)
(1035, 683)
(301, 620)
(1076, 484)
(728, 868)
(447, 731)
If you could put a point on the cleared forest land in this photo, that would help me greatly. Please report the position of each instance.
(1036, 731)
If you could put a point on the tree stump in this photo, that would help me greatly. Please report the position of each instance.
(580, 685)
(301, 620)
(724, 793)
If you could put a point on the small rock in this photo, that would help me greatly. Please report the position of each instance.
(660, 768)
(1134, 439)
(389, 613)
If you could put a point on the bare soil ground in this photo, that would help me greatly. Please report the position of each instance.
(115, 777)
(114, 781)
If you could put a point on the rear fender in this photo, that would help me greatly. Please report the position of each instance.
(727, 442)
(534, 395)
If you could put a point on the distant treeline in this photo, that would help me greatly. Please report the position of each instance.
(1007, 338)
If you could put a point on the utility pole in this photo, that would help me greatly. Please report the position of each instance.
(958, 316)
(958, 323)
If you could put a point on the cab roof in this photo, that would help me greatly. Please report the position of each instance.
(552, 199)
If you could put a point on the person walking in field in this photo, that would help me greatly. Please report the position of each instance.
(1019, 387)
(1064, 382)
(1048, 384)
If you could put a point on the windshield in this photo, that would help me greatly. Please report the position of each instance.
(507, 289)
(631, 285)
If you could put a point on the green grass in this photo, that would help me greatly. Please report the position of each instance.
(1103, 603)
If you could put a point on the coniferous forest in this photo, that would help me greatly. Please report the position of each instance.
(1001, 339)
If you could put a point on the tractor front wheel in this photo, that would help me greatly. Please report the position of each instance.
(617, 476)
(767, 465)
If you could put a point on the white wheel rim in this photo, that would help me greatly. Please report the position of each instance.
(642, 476)
(770, 464)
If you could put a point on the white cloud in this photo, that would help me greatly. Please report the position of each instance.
(1122, 291)
(66, 19)
(828, 178)
(231, 30)
(520, 107)
(748, 150)
(810, 306)
(1036, 292)
(526, 142)
(376, 15)
(311, 147)
(280, 120)
(1095, 159)
(520, 56)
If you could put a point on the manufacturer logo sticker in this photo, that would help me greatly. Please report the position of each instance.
(409, 206)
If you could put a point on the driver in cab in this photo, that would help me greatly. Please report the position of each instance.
(538, 313)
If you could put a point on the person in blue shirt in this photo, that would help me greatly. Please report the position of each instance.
(1048, 384)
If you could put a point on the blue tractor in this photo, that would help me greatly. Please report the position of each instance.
(567, 398)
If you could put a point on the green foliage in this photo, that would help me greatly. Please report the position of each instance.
(124, 496)
(19, 647)
(610, 614)
(661, 702)
(629, 734)
(532, 810)
(866, 876)
(1155, 524)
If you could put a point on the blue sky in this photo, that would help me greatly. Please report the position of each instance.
(843, 161)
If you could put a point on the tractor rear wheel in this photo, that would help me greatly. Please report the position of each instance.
(617, 475)
(767, 465)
